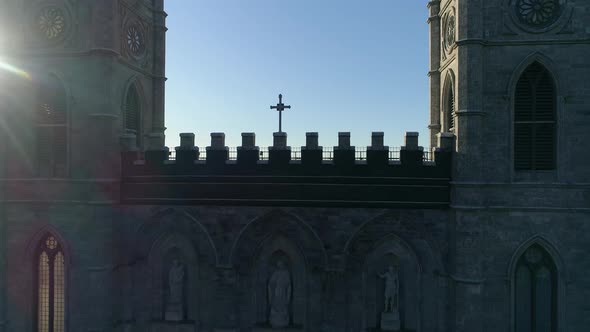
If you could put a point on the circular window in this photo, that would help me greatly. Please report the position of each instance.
(538, 13)
(51, 23)
(449, 34)
(51, 243)
(135, 40)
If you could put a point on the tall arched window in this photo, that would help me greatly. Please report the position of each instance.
(535, 291)
(448, 105)
(133, 113)
(52, 133)
(535, 120)
(50, 271)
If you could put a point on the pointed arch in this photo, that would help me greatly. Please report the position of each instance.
(133, 110)
(448, 102)
(51, 118)
(49, 269)
(542, 59)
(537, 286)
(169, 221)
(282, 222)
(535, 119)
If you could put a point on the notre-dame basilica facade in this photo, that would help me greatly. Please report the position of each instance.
(103, 229)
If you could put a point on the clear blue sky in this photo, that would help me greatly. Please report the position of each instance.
(343, 65)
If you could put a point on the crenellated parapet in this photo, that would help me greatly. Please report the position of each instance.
(280, 175)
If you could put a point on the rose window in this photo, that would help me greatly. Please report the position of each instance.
(135, 41)
(51, 243)
(538, 13)
(449, 33)
(51, 23)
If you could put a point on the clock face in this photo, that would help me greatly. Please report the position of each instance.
(538, 13)
(135, 40)
(51, 23)
(449, 32)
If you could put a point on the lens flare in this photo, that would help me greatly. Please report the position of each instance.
(14, 70)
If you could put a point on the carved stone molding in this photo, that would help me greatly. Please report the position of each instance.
(536, 16)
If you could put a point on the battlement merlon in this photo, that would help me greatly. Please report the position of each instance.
(342, 176)
(377, 154)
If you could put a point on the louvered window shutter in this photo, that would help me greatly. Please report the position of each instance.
(132, 113)
(535, 120)
(451, 109)
(52, 138)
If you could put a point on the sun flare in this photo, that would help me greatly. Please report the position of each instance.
(14, 70)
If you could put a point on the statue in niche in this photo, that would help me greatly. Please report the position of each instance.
(391, 289)
(175, 301)
(390, 317)
(279, 296)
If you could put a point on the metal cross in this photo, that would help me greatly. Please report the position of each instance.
(280, 108)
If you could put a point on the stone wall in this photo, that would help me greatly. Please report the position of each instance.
(114, 263)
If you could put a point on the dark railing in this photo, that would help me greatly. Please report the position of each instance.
(327, 154)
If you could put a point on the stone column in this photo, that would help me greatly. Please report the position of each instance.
(469, 128)
(434, 73)
(159, 70)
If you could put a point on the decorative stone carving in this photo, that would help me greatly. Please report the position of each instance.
(175, 300)
(390, 315)
(449, 32)
(279, 296)
(51, 23)
(538, 13)
(391, 293)
(135, 40)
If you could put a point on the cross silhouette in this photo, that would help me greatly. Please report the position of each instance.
(280, 107)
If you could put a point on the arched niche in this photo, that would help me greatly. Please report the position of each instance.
(165, 251)
(273, 251)
(391, 252)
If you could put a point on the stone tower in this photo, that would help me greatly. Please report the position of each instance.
(77, 76)
(85, 73)
(508, 80)
(479, 51)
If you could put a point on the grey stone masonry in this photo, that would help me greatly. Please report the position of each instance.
(412, 142)
(128, 142)
(445, 141)
(377, 141)
(279, 141)
(217, 142)
(248, 142)
(312, 141)
(187, 142)
(344, 141)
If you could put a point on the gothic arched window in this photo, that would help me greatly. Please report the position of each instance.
(535, 291)
(535, 120)
(52, 134)
(50, 272)
(449, 103)
(133, 112)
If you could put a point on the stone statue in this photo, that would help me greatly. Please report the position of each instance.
(391, 289)
(279, 296)
(390, 320)
(175, 302)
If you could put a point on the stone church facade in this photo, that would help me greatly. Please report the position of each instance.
(101, 230)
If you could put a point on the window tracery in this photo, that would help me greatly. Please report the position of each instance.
(50, 286)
